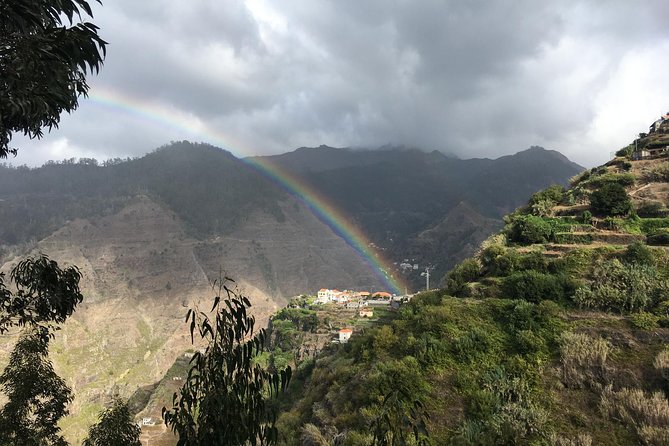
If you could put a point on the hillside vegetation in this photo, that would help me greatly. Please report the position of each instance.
(555, 332)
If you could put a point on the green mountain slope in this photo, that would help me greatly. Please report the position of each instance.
(556, 332)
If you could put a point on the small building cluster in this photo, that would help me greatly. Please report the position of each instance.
(325, 296)
(655, 143)
(362, 301)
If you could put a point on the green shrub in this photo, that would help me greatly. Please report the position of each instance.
(625, 151)
(541, 202)
(586, 218)
(569, 238)
(529, 229)
(534, 261)
(622, 179)
(621, 288)
(498, 260)
(651, 225)
(658, 238)
(644, 321)
(610, 200)
(651, 209)
(612, 224)
(638, 253)
(457, 280)
(534, 286)
(662, 309)
(529, 342)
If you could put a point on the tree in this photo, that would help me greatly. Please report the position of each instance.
(611, 199)
(43, 64)
(45, 293)
(116, 427)
(224, 399)
(529, 229)
(36, 396)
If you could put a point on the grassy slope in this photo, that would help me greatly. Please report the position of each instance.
(493, 370)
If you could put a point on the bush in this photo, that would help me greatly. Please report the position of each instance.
(541, 202)
(651, 209)
(644, 320)
(529, 229)
(586, 218)
(583, 359)
(610, 200)
(625, 151)
(658, 238)
(569, 238)
(638, 253)
(622, 288)
(499, 261)
(652, 225)
(457, 280)
(622, 179)
(662, 309)
(534, 261)
(534, 286)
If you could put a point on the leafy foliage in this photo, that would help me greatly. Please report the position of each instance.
(610, 200)
(534, 286)
(224, 399)
(45, 293)
(623, 288)
(116, 427)
(457, 279)
(36, 396)
(43, 64)
(529, 229)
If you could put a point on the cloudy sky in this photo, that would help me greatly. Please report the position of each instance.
(476, 78)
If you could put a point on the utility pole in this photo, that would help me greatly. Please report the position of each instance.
(426, 274)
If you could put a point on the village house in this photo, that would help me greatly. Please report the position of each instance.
(382, 295)
(148, 421)
(366, 312)
(345, 335)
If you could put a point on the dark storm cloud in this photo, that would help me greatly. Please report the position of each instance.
(475, 78)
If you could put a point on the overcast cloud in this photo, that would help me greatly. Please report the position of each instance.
(474, 78)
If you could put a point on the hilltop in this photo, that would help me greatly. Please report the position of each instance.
(402, 198)
(555, 332)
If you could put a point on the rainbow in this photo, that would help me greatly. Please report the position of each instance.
(325, 211)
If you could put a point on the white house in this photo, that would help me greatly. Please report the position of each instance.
(323, 296)
(345, 335)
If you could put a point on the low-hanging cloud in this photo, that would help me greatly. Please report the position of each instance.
(474, 78)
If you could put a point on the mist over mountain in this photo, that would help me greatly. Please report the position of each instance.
(401, 197)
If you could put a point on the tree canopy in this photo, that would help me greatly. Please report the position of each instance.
(224, 399)
(44, 59)
(116, 427)
(44, 294)
(37, 397)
